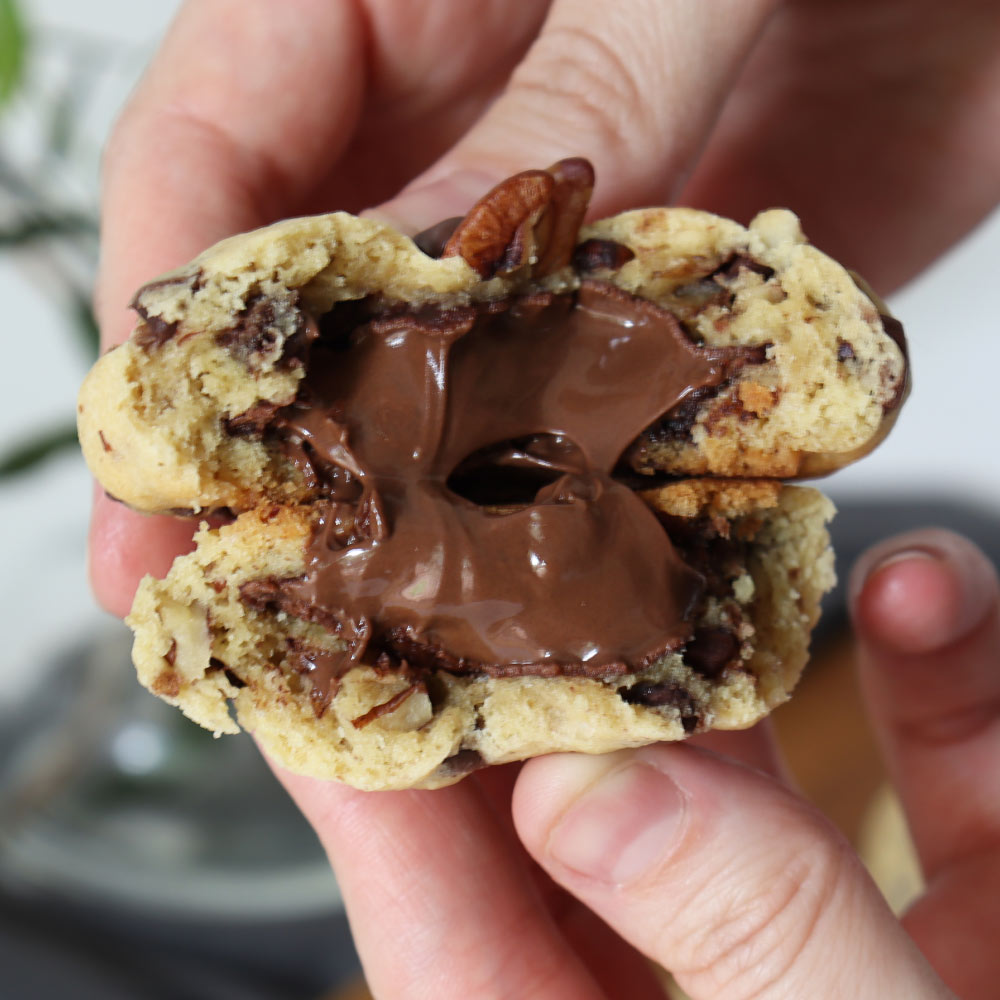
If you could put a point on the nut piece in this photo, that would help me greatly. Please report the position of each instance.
(559, 228)
(530, 219)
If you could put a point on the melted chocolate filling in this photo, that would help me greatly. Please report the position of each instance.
(463, 462)
(469, 519)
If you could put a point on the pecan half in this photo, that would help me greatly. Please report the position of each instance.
(530, 219)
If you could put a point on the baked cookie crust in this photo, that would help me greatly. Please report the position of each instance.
(214, 337)
(182, 419)
(225, 664)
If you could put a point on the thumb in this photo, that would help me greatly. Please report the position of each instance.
(717, 873)
(634, 87)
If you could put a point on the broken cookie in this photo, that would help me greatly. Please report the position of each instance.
(462, 536)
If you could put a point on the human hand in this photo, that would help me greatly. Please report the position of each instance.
(345, 113)
(715, 870)
(848, 112)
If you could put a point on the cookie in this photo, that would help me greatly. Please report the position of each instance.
(167, 419)
(221, 639)
(451, 465)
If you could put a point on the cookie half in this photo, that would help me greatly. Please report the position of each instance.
(221, 639)
(809, 374)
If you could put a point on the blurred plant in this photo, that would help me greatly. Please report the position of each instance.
(11, 48)
(35, 216)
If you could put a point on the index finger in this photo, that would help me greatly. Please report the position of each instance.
(243, 109)
(208, 147)
(928, 617)
(440, 902)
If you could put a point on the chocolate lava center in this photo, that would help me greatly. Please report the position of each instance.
(405, 420)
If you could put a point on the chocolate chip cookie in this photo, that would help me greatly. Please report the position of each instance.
(454, 469)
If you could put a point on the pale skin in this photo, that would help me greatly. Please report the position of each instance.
(879, 123)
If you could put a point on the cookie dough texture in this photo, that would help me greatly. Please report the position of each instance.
(215, 341)
(198, 646)
(151, 412)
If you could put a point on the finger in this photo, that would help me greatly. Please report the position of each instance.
(719, 874)
(928, 621)
(240, 107)
(434, 69)
(927, 614)
(634, 87)
(757, 748)
(822, 121)
(124, 546)
(193, 159)
(615, 965)
(439, 902)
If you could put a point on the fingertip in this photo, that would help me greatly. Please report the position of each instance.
(124, 546)
(922, 591)
(714, 871)
(605, 819)
(547, 786)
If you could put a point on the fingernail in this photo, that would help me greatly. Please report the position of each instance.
(625, 824)
(922, 591)
(878, 558)
(421, 205)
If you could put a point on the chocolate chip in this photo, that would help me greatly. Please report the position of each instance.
(710, 650)
(463, 762)
(600, 255)
(268, 596)
(253, 422)
(268, 327)
(433, 239)
(662, 695)
(845, 351)
(154, 331)
(677, 423)
(741, 262)
(323, 667)
(894, 329)
(216, 664)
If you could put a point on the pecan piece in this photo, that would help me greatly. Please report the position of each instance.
(531, 218)
(559, 227)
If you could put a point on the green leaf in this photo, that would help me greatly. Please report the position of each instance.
(86, 324)
(42, 226)
(12, 45)
(25, 456)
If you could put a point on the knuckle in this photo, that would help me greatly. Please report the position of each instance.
(756, 939)
(586, 81)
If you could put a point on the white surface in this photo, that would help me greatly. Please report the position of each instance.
(945, 441)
